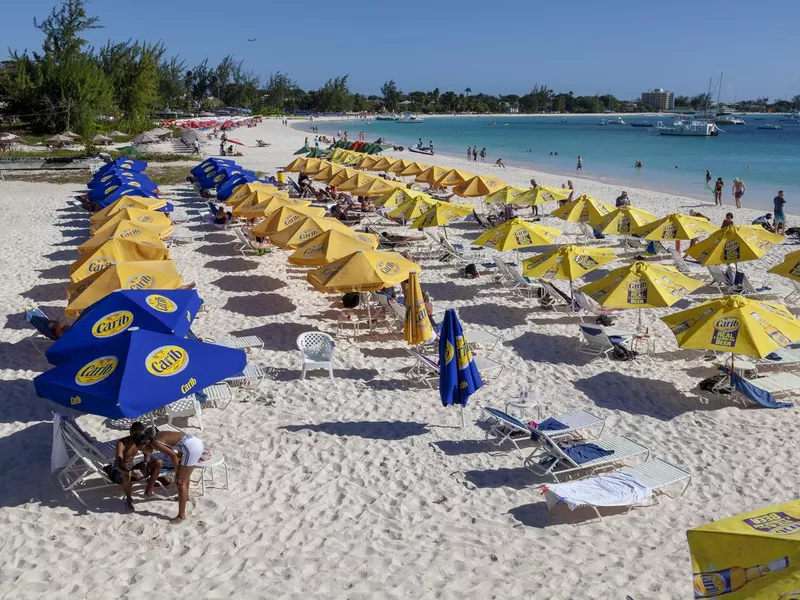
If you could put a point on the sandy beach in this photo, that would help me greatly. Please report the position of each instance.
(368, 487)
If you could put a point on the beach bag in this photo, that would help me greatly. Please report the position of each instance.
(351, 299)
(620, 352)
(471, 271)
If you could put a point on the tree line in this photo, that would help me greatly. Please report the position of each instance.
(69, 84)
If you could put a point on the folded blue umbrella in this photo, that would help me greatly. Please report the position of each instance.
(225, 190)
(214, 162)
(458, 375)
(128, 164)
(138, 372)
(123, 191)
(161, 311)
(143, 183)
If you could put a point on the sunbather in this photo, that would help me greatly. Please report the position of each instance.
(122, 472)
(183, 450)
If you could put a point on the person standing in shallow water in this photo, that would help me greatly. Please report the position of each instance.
(708, 178)
(475, 154)
(579, 166)
(719, 187)
(469, 153)
(738, 191)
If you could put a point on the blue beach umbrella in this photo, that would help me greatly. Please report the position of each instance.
(99, 180)
(123, 191)
(458, 377)
(219, 177)
(138, 372)
(225, 190)
(127, 164)
(115, 183)
(210, 164)
(161, 311)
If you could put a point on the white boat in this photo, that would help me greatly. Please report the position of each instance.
(727, 119)
(688, 128)
(617, 121)
(386, 117)
(409, 118)
(771, 126)
(792, 118)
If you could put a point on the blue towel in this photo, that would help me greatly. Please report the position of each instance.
(773, 356)
(551, 424)
(581, 453)
(755, 394)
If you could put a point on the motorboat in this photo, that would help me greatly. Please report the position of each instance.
(617, 121)
(771, 127)
(728, 119)
(792, 118)
(688, 128)
(386, 117)
(419, 149)
(409, 118)
(641, 124)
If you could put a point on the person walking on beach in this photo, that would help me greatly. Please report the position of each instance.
(475, 154)
(708, 178)
(196, 148)
(469, 153)
(579, 166)
(738, 191)
(534, 207)
(719, 186)
(483, 154)
(780, 219)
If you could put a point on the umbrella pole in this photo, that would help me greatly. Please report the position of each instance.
(462, 416)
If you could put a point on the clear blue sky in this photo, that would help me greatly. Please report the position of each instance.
(494, 47)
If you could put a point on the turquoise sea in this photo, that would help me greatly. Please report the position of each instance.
(765, 160)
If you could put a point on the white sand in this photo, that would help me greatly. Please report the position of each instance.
(367, 488)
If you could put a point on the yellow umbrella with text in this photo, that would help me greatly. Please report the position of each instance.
(417, 328)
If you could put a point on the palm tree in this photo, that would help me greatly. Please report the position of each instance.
(468, 91)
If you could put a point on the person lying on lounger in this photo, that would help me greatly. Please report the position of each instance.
(125, 465)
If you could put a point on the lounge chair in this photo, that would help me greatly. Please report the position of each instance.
(590, 306)
(596, 341)
(525, 287)
(588, 234)
(504, 427)
(245, 342)
(250, 377)
(555, 461)
(719, 279)
(482, 220)
(181, 235)
(459, 253)
(684, 267)
(638, 485)
(185, 407)
(555, 298)
(742, 285)
(427, 369)
(783, 358)
(245, 246)
(44, 337)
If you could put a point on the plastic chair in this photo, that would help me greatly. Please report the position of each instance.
(316, 351)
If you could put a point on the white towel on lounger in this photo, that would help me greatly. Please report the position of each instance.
(612, 489)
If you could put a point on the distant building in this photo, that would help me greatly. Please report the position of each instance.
(659, 99)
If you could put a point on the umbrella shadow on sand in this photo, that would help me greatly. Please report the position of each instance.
(639, 396)
(449, 291)
(217, 250)
(60, 272)
(499, 316)
(231, 265)
(260, 305)
(22, 356)
(537, 515)
(370, 430)
(552, 349)
(249, 283)
(280, 337)
(19, 404)
(47, 292)
(60, 255)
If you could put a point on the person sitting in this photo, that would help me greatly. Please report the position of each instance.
(728, 222)
(765, 221)
(396, 238)
(367, 206)
(698, 215)
(57, 328)
(623, 200)
(221, 217)
(125, 463)
(499, 163)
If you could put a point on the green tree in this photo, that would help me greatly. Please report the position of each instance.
(334, 96)
(279, 90)
(391, 95)
(132, 69)
(172, 83)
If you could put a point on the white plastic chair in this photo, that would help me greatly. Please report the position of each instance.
(316, 351)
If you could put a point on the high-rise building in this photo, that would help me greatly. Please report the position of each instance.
(659, 99)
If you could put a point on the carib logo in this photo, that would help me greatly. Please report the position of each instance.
(144, 219)
(126, 233)
(161, 303)
(96, 371)
(112, 324)
(135, 184)
(100, 264)
(166, 361)
(140, 282)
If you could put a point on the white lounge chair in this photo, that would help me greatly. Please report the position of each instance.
(185, 407)
(316, 351)
(794, 295)
(638, 485)
(504, 427)
(427, 369)
(43, 338)
(742, 285)
(590, 306)
(245, 342)
(554, 461)
(555, 298)
(181, 235)
(598, 341)
(686, 268)
(719, 278)
(251, 377)
(464, 255)
(522, 285)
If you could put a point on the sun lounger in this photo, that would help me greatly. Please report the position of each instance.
(742, 285)
(181, 235)
(482, 220)
(639, 485)
(245, 342)
(251, 377)
(782, 358)
(427, 369)
(43, 338)
(599, 341)
(590, 306)
(554, 461)
(718, 278)
(459, 253)
(504, 427)
(555, 298)
(523, 286)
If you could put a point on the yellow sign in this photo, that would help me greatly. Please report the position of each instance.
(96, 371)
(75, 400)
(161, 303)
(167, 360)
(112, 324)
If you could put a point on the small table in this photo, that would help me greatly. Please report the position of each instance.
(739, 366)
(649, 342)
(521, 407)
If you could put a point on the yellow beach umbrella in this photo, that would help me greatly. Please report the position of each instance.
(305, 229)
(675, 227)
(734, 244)
(431, 175)
(362, 271)
(541, 194)
(315, 168)
(398, 196)
(623, 221)
(268, 207)
(412, 208)
(506, 195)
(376, 187)
(329, 246)
(384, 164)
(127, 202)
(328, 172)
(283, 217)
(516, 233)
(735, 324)
(790, 267)
(752, 556)
(121, 230)
(312, 165)
(400, 165)
(441, 214)
(113, 251)
(356, 181)
(157, 221)
(342, 176)
(567, 262)
(243, 191)
(583, 209)
(454, 177)
(417, 328)
(413, 169)
(136, 275)
(297, 165)
(366, 161)
(480, 185)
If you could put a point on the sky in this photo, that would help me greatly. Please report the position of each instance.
(587, 47)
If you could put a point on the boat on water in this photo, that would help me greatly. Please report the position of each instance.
(409, 118)
(617, 121)
(416, 148)
(386, 118)
(641, 124)
(792, 118)
(727, 119)
(688, 128)
(771, 127)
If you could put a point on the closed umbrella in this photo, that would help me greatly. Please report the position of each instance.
(458, 376)
(417, 328)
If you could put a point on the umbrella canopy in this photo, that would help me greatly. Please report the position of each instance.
(102, 139)
(396, 197)
(121, 230)
(145, 138)
(623, 221)
(675, 227)
(284, 216)
(116, 134)
(135, 373)
(269, 206)
(141, 203)
(412, 208)
(516, 233)
(734, 244)
(60, 139)
(400, 165)
(328, 172)
(329, 246)
(296, 166)
(735, 324)
(641, 285)
(480, 185)
(342, 176)
(71, 134)
(417, 328)
(458, 377)
(790, 267)
(305, 229)
(440, 214)
(365, 162)
(136, 275)
(121, 192)
(246, 189)
(316, 167)
(237, 142)
(384, 163)
(454, 177)
(113, 251)
(162, 311)
(376, 187)
(317, 153)
(506, 195)
(261, 203)
(583, 209)
(131, 151)
(154, 220)
(431, 175)
(413, 169)
(541, 194)
(752, 556)
(358, 180)
(362, 271)
(567, 262)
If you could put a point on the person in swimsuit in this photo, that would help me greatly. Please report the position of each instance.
(125, 463)
(183, 450)
(738, 191)
(718, 187)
